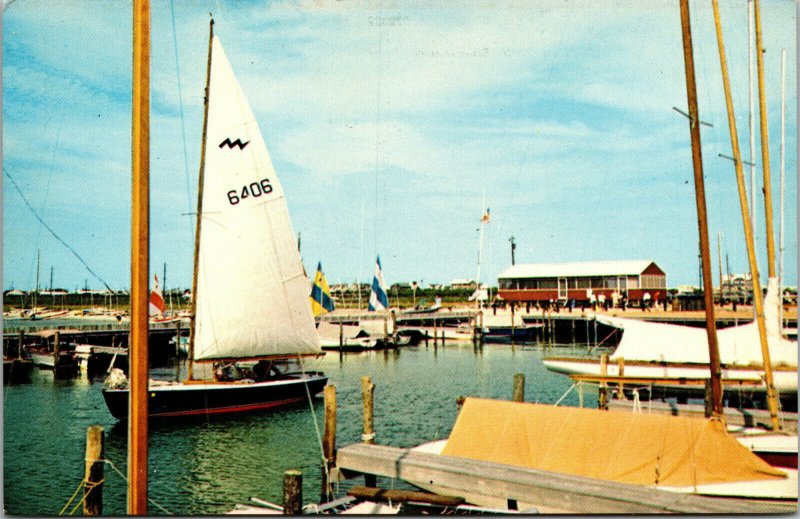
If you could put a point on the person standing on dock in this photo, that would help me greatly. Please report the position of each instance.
(645, 301)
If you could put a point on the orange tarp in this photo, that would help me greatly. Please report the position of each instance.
(643, 449)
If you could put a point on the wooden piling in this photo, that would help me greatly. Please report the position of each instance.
(621, 373)
(341, 334)
(435, 333)
(367, 392)
(292, 492)
(56, 350)
(93, 472)
(368, 436)
(328, 443)
(385, 329)
(20, 344)
(708, 400)
(512, 323)
(602, 392)
(394, 326)
(519, 387)
(177, 338)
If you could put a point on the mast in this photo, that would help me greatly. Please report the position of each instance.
(719, 262)
(762, 112)
(783, 180)
(751, 119)
(140, 242)
(702, 220)
(36, 294)
(199, 216)
(772, 398)
(480, 253)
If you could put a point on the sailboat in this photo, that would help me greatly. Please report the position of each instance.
(249, 287)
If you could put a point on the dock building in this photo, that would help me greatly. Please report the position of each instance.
(580, 281)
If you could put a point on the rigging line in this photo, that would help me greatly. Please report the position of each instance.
(56, 236)
(125, 478)
(378, 126)
(313, 414)
(49, 178)
(183, 122)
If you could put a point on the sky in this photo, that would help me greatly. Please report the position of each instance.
(389, 124)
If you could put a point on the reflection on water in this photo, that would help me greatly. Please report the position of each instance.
(206, 465)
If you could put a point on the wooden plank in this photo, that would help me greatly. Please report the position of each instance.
(547, 490)
(396, 496)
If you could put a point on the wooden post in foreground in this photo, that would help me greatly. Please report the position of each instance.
(368, 436)
(292, 492)
(93, 472)
(328, 443)
(140, 262)
(602, 392)
(519, 387)
(621, 373)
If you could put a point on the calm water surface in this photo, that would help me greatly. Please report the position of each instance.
(206, 466)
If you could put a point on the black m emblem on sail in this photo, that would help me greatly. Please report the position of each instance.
(227, 142)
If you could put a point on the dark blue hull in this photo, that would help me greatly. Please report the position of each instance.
(506, 334)
(209, 397)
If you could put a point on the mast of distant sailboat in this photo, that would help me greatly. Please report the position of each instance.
(199, 216)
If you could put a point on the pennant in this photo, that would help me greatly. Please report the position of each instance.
(321, 301)
(378, 299)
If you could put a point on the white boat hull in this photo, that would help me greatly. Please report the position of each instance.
(785, 380)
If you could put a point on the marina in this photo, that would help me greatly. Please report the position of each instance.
(207, 464)
(591, 376)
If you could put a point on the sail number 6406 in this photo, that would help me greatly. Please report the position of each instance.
(255, 190)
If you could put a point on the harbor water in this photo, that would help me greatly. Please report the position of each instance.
(207, 465)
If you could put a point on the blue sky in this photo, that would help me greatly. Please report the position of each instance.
(387, 123)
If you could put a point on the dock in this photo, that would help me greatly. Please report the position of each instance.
(548, 492)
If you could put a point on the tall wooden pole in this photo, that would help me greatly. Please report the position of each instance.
(772, 395)
(762, 112)
(140, 242)
(751, 117)
(719, 262)
(783, 183)
(702, 219)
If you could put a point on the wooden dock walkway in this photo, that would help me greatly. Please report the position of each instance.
(549, 492)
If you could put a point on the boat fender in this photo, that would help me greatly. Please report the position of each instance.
(116, 379)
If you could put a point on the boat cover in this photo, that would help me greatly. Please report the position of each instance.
(740, 345)
(641, 449)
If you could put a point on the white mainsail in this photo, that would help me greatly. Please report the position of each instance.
(252, 291)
